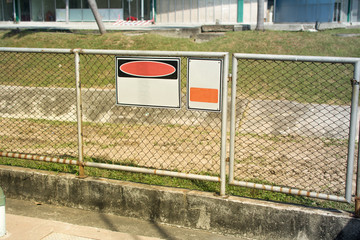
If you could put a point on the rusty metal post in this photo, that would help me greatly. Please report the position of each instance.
(357, 207)
(79, 114)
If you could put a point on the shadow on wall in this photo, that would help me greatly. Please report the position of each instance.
(112, 226)
(350, 231)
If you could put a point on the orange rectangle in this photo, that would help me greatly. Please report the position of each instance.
(206, 95)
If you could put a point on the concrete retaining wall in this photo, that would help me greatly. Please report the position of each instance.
(98, 106)
(231, 215)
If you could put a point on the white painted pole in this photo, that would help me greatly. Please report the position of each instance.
(14, 12)
(2, 213)
(142, 10)
(153, 11)
(67, 14)
(129, 3)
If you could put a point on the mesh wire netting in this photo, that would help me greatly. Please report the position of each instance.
(169, 139)
(37, 98)
(292, 121)
(38, 116)
(292, 124)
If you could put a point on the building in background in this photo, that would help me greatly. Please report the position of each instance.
(208, 11)
(182, 11)
(317, 11)
(73, 10)
(245, 11)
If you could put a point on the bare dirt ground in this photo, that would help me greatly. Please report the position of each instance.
(179, 148)
(312, 164)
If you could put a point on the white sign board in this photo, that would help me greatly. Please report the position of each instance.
(153, 82)
(204, 84)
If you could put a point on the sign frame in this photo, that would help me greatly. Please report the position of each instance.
(220, 89)
(177, 65)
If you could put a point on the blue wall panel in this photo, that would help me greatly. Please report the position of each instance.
(304, 11)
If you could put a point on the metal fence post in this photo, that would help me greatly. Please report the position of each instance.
(232, 118)
(2, 214)
(79, 114)
(352, 134)
(223, 127)
(357, 194)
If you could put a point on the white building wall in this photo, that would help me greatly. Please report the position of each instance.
(196, 11)
(355, 11)
(202, 11)
(250, 11)
(232, 11)
(171, 10)
(344, 10)
(187, 12)
(210, 16)
(179, 11)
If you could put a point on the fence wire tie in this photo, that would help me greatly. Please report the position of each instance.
(230, 78)
(354, 82)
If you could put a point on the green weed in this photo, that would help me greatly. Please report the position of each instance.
(178, 182)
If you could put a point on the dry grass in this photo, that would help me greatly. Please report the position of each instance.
(324, 43)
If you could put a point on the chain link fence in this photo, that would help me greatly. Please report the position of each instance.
(291, 128)
(169, 139)
(37, 95)
(293, 120)
(41, 113)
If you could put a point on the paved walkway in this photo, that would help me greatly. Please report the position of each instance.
(90, 26)
(21, 227)
(27, 220)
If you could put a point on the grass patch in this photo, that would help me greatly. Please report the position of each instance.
(310, 83)
(178, 183)
(322, 43)
(303, 82)
(261, 79)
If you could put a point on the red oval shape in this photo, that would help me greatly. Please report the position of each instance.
(147, 69)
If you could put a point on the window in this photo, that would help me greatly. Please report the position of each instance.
(337, 11)
(85, 4)
(75, 4)
(61, 4)
(116, 4)
(102, 3)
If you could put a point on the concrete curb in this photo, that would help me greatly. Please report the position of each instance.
(232, 215)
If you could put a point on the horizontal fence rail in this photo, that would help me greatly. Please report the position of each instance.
(293, 124)
(108, 166)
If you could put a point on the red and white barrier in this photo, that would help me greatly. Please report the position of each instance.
(133, 23)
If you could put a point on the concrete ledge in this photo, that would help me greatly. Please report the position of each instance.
(217, 28)
(242, 27)
(207, 36)
(232, 215)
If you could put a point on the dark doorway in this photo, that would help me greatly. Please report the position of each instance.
(25, 10)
